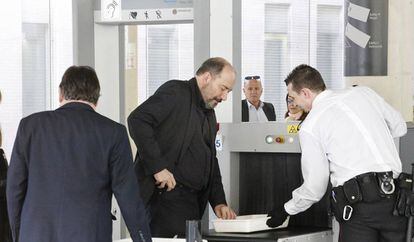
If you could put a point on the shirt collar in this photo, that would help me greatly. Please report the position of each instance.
(250, 105)
(321, 96)
(76, 105)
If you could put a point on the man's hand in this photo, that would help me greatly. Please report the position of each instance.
(164, 178)
(224, 212)
(277, 217)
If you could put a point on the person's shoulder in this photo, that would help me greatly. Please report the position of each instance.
(268, 104)
(38, 116)
(364, 89)
(175, 88)
(175, 84)
(107, 121)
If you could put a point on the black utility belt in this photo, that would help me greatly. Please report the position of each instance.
(368, 187)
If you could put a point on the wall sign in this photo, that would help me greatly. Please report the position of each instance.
(111, 10)
(366, 37)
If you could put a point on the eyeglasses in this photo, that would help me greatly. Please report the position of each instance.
(252, 78)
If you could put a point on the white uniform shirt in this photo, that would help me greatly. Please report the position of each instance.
(256, 115)
(346, 133)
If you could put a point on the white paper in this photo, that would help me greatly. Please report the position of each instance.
(358, 12)
(355, 35)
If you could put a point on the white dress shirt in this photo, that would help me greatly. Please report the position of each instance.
(256, 115)
(345, 134)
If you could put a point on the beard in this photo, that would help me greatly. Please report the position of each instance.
(211, 104)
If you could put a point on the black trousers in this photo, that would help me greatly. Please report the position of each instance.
(374, 222)
(170, 210)
(5, 233)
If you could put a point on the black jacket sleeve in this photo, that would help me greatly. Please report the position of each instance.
(17, 180)
(125, 188)
(217, 195)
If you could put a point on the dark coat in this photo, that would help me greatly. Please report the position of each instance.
(64, 168)
(162, 128)
(5, 233)
(268, 109)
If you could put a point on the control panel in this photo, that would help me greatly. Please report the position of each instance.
(261, 137)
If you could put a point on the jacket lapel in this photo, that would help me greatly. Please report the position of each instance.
(189, 132)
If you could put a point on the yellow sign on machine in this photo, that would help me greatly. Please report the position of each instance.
(292, 128)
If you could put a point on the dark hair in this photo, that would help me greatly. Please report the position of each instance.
(301, 118)
(213, 65)
(80, 83)
(304, 76)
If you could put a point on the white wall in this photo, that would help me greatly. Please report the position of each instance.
(10, 72)
(107, 68)
(221, 44)
(397, 87)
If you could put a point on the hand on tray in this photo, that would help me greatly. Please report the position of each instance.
(224, 212)
(277, 217)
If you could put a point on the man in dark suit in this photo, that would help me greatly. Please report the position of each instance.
(65, 166)
(254, 110)
(174, 131)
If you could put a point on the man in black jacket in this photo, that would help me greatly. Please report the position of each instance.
(5, 233)
(176, 163)
(253, 109)
(65, 166)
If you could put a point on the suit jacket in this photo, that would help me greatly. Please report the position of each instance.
(162, 128)
(268, 109)
(64, 168)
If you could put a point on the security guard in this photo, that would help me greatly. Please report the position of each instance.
(347, 137)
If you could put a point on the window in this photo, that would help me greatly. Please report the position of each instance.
(329, 45)
(278, 35)
(276, 55)
(36, 47)
(164, 52)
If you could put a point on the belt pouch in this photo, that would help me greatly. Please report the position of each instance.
(369, 187)
(338, 203)
(386, 184)
(352, 191)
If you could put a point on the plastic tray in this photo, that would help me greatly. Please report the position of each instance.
(245, 224)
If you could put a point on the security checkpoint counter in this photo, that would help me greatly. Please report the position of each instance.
(290, 234)
(157, 240)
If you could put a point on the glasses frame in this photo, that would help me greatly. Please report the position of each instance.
(252, 78)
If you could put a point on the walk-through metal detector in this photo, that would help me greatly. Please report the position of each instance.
(110, 17)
